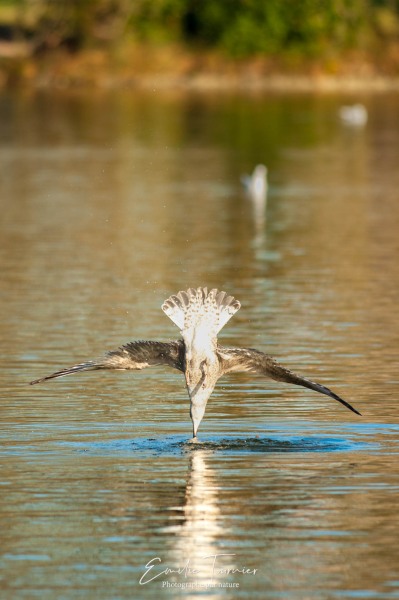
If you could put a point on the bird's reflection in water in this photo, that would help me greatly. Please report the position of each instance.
(198, 538)
(201, 508)
(256, 187)
(259, 221)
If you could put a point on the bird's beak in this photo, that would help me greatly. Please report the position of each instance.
(197, 411)
(199, 398)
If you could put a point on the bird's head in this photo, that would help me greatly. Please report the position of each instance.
(200, 384)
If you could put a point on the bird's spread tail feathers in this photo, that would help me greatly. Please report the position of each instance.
(87, 366)
(198, 308)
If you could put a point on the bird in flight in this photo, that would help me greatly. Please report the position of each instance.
(200, 315)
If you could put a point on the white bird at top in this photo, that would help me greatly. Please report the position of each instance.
(256, 184)
(355, 114)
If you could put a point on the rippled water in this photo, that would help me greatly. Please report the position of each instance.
(110, 203)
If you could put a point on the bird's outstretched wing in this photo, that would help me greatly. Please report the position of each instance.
(254, 361)
(134, 355)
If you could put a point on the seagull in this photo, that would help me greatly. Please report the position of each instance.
(199, 315)
(355, 115)
(256, 184)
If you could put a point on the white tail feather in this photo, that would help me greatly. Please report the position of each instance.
(199, 308)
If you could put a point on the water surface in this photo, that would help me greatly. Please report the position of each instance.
(112, 202)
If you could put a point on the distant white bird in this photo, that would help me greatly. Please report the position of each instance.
(354, 115)
(256, 184)
(199, 315)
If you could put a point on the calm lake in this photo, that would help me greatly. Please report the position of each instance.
(112, 201)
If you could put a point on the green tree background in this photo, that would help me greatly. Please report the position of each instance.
(238, 28)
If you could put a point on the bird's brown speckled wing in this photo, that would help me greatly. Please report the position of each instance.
(134, 355)
(253, 361)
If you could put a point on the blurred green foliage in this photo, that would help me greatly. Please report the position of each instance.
(244, 27)
(240, 28)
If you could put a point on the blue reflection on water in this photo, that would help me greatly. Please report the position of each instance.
(177, 444)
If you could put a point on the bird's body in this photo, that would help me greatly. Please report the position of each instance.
(200, 315)
(354, 115)
(256, 184)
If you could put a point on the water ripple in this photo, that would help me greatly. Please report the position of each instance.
(176, 444)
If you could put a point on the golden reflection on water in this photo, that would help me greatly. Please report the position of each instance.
(196, 547)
